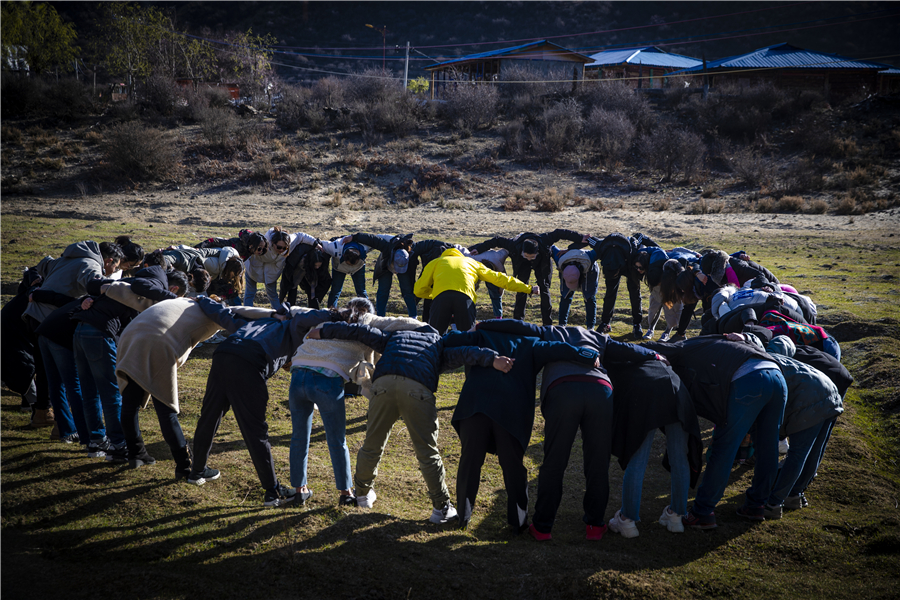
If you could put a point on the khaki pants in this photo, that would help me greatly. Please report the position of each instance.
(395, 397)
(673, 315)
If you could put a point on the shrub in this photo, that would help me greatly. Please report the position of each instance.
(765, 205)
(219, 126)
(69, 98)
(292, 110)
(817, 207)
(799, 177)
(662, 204)
(702, 207)
(525, 89)
(262, 170)
(669, 149)
(516, 203)
(471, 105)
(160, 94)
(140, 152)
(557, 130)
(217, 97)
(20, 96)
(550, 201)
(11, 135)
(845, 206)
(790, 204)
(596, 204)
(752, 166)
(616, 96)
(513, 136)
(611, 132)
(329, 92)
(740, 110)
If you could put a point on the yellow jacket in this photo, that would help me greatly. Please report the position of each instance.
(453, 271)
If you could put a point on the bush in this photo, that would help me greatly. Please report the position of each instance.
(161, 94)
(140, 152)
(220, 126)
(790, 204)
(669, 149)
(551, 201)
(817, 207)
(515, 203)
(529, 88)
(20, 96)
(752, 166)
(616, 96)
(845, 206)
(292, 111)
(330, 92)
(513, 136)
(611, 132)
(557, 130)
(800, 177)
(471, 105)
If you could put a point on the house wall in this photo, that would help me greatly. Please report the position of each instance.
(834, 84)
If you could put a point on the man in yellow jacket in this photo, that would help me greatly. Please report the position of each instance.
(450, 282)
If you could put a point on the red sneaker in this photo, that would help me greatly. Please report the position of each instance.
(594, 532)
(541, 537)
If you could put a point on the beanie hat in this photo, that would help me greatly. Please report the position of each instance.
(571, 275)
(401, 261)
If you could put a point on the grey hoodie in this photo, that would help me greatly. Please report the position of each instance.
(812, 397)
(69, 274)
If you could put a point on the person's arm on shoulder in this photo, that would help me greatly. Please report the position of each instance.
(458, 356)
(563, 234)
(49, 297)
(121, 292)
(222, 315)
(545, 352)
(622, 352)
(495, 242)
(512, 327)
(150, 289)
(369, 336)
(373, 241)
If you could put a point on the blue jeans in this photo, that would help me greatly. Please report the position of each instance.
(588, 289)
(496, 295)
(65, 391)
(757, 397)
(831, 346)
(802, 461)
(633, 482)
(95, 360)
(310, 388)
(384, 292)
(250, 292)
(337, 285)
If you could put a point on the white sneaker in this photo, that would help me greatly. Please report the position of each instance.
(671, 520)
(648, 336)
(439, 516)
(623, 526)
(366, 501)
(783, 446)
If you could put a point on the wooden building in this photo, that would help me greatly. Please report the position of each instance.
(551, 60)
(638, 67)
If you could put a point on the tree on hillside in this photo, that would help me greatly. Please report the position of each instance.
(247, 59)
(38, 34)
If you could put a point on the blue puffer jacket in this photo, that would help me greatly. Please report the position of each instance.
(417, 354)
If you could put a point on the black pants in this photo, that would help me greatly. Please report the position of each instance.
(314, 297)
(132, 398)
(477, 434)
(522, 271)
(609, 299)
(235, 383)
(40, 373)
(566, 408)
(452, 306)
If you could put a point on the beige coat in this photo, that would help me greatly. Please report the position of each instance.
(352, 360)
(159, 340)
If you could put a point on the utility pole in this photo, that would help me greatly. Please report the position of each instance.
(406, 67)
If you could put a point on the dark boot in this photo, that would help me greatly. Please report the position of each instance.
(138, 455)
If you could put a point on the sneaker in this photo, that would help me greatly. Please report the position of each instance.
(594, 532)
(671, 520)
(783, 446)
(637, 332)
(217, 338)
(604, 328)
(678, 337)
(648, 336)
(441, 515)
(699, 522)
(280, 495)
(117, 454)
(142, 460)
(98, 449)
(72, 438)
(347, 500)
(541, 537)
(795, 502)
(203, 476)
(623, 526)
(42, 418)
(366, 501)
(772, 512)
(666, 336)
(752, 513)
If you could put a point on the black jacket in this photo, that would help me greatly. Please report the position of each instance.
(514, 246)
(706, 364)
(295, 269)
(649, 395)
(508, 398)
(829, 365)
(387, 249)
(576, 336)
(418, 354)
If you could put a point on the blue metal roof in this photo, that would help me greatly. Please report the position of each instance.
(785, 56)
(505, 51)
(650, 56)
(889, 72)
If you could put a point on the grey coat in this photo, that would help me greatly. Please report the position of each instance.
(69, 274)
(812, 397)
